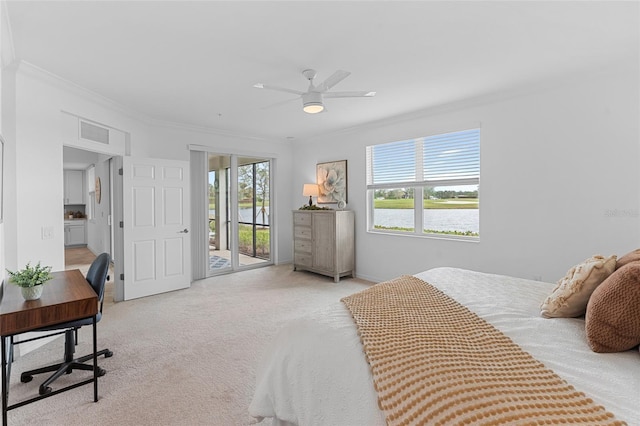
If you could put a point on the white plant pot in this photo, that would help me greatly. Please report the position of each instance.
(32, 293)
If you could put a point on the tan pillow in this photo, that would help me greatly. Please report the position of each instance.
(613, 313)
(570, 296)
(633, 256)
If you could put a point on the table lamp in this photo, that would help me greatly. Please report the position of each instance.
(310, 190)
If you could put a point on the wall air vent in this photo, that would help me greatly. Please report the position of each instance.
(92, 132)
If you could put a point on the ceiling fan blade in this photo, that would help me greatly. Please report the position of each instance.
(277, 104)
(334, 79)
(278, 88)
(362, 94)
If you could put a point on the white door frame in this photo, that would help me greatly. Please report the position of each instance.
(118, 230)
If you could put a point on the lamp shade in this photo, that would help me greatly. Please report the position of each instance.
(310, 190)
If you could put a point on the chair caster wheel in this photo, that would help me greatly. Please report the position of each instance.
(25, 378)
(108, 354)
(44, 390)
(101, 372)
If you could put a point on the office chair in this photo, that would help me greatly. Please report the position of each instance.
(97, 277)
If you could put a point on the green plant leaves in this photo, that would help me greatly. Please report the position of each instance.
(30, 276)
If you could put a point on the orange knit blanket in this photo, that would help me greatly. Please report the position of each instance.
(435, 362)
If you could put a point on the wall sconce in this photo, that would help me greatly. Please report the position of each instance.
(310, 190)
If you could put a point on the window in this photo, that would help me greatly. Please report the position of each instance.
(425, 186)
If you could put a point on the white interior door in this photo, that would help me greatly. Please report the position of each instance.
(157, 249)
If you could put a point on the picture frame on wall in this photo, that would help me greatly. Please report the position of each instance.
(331, 178)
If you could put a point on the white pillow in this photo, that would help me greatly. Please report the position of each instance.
(570, 296)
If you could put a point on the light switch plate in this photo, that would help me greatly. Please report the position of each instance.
(47, 232)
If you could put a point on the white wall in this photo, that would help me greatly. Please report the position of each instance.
(2, 49)
(559, 179)
(34, 194)
(98, 229)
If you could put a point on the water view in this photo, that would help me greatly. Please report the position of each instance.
(462, 220)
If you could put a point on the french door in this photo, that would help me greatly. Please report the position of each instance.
(239, 200)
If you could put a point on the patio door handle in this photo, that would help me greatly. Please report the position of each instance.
(184, 231)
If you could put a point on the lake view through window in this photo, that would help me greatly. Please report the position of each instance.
(426, 186)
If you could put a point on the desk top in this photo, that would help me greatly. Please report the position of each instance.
(67, 297)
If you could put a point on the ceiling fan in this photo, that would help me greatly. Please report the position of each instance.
(312, 98)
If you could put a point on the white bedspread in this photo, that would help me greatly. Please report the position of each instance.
(315, 372)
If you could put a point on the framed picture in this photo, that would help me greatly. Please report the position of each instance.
(332, 182)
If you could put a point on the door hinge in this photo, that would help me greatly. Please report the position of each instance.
(121, 224)
(122, 277)
(120, 171)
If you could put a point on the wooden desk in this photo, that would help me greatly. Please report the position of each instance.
(67, 297)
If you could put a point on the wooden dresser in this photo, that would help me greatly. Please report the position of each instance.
(323, 242)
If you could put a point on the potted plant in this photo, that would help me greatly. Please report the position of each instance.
(31, 280)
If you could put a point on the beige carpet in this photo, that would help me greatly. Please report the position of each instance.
(180, 358)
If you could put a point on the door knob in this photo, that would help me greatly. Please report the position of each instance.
(184, 231)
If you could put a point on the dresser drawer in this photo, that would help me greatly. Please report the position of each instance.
(302, 232)
(302, 219)
(303, 246)
(302, 259)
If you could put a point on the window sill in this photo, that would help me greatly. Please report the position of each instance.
(461, 238)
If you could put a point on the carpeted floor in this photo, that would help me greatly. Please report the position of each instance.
(181, 358)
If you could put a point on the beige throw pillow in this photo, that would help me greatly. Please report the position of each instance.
(570, 296)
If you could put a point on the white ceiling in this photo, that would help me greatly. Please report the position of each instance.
(195, 63)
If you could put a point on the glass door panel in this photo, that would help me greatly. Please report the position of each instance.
(254, 232)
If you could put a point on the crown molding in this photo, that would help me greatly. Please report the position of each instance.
(546, 84)
(34, 71)
(54, 80)
(210, 130)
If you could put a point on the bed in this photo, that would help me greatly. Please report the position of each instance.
(315, 371)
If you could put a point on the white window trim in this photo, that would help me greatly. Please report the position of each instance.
(418, 207)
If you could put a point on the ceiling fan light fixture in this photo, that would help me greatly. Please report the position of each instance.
(312, 103)
(312, 98)
(313, 107)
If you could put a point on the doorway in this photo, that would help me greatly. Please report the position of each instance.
(239, 215)
(87, 208)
